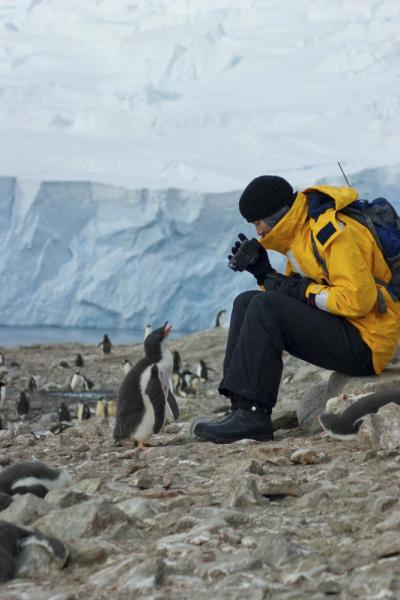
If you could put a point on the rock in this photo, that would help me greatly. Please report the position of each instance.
(25, 509)
(287, 420)
(315, 498)
(82, 520)
(387, 544)
(247, 465)
(308, 456)
(63, 498)
(277, 550)
(88, 486)
(391, 523)
(4, 460)
(276, 490)
(145, 479)
(246, 493)
(310, 406)
(381, 430)
(139, 508)
(132, 574)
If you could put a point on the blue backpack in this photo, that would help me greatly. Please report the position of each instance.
(382, 220)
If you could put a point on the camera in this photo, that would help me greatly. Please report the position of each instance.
(246, 255)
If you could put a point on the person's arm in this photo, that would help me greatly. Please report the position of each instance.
(352, 290)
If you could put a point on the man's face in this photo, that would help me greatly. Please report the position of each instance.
(261, 228)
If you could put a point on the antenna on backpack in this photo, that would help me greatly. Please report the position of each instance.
(344, 174)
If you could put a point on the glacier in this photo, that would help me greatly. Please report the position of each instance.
(81, 254)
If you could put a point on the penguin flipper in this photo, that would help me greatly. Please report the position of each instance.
(155, 393)
(173, 405)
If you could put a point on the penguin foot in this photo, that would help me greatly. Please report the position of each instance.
(142, 445)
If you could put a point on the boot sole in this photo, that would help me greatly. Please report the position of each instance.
(220, 440)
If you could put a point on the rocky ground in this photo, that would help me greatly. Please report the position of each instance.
(303, 516)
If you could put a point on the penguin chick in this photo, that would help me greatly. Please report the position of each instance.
(23, 405)
(105, 345)
(144, 399)
(31, 476)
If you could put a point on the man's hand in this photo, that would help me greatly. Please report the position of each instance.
(294, 285)
(249, 255)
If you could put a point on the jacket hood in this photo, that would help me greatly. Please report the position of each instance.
(342, 196)
(281, 235)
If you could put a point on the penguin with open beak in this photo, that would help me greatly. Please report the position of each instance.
(145, 400)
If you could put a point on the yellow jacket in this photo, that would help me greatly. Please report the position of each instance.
(353, 262)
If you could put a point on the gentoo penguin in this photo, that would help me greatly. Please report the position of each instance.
(2, 360)
(87, 383)
(32, 383)
(346, 425)
(202, 370)
(83, 411)
(23, 405)
(147, 330)
(31, 476)
(3, 392)
(77, 382)
(126, 366)
(219, 319)
(184, 387)
(79, 360)
(145, 399)
(105, 345)
(101, 408)
(177, 362)
(14, 539)
(63, 412)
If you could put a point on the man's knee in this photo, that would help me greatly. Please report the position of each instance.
(242, 301)
(266, 301)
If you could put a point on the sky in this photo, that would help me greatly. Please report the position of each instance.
(202, 96)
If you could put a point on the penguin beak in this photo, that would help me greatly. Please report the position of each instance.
(167, 329)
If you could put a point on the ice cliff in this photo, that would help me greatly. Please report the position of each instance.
(92, 255)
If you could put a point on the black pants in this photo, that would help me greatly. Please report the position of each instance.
(263, 324)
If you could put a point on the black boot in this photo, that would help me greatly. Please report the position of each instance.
(251, 422)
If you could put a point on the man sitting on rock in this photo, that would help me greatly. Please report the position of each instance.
(330, 308)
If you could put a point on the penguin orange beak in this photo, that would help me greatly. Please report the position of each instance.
(167, 329)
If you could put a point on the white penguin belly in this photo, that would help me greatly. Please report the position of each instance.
(146, 426)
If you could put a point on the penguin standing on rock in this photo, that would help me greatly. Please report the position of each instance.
(79, 360)
(63, 412)
(3, 391)
(32, 383)
(219, 319)
(105, 345)
(145, 399)
(23, 405)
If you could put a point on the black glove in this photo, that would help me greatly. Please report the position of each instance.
(249, 255)
(294, 285)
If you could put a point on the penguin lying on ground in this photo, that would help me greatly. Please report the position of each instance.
(346, 425)
(144, 399)
(31, 476)
(14, 539)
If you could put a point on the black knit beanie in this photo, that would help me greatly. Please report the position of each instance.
(264, 196)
